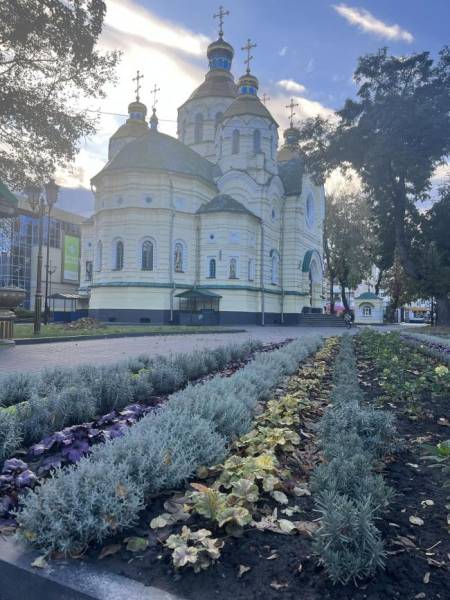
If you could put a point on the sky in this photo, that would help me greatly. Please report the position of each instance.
(306, 50)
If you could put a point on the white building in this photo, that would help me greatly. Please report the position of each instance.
(216, 226)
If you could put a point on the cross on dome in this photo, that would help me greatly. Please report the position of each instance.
(291, 106)
(265, 98)
(138, 85)
(248, 47)
(220, 15)
(154, 91)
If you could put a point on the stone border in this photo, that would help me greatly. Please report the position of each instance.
(104, 336)
(65, 580)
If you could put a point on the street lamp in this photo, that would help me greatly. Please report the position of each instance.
(40, 205)
(51, 192)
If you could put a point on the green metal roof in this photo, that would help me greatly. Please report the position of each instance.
(160, 152)
(291, 174)
(205, 294)
(307, 260)
(5, 194)
(367, 296)
(224, 203)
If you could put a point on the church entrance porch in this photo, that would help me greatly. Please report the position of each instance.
(198, 307)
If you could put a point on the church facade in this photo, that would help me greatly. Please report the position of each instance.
(216, 226)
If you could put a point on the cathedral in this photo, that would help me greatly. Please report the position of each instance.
(216, 226)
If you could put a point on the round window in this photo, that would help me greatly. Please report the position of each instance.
(310, 210)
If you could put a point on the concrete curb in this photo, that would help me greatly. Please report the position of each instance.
(104, 336)
(68, 580)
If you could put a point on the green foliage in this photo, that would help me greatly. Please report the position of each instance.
(10, 434)
(347, 541)
(348, 493)
(60, 397)
(194, 549)
(50, 66)
(161, 451)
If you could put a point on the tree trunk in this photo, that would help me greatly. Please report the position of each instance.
(332, 311)
(344, 298)
(442, 310)
(378, 281)
(401, 248)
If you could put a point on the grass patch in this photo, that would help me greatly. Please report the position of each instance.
(440, 330)
(25, 330)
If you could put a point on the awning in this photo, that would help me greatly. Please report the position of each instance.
(60, 296)
(5, 194)
(198, 294)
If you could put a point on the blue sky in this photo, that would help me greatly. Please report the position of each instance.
(306, 48)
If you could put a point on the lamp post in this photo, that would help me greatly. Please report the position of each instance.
(51, 191)
(40, 205)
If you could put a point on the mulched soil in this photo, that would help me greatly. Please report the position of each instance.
(284, 567)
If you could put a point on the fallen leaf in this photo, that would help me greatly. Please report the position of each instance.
(273, 556)
(278, 585)
(420, 596)
(242, 570)
(39, 562)
(286, 526)
(109, 550)
(306, 527)
(302, 490)
(200, 487)
(136, 544)
(444, 422)
(121, 491)
(416, 520)
(300, 568)
(427, 503)
(426, 577)
(158, 522)
(412, 465)
(404, 541)
(280, 497)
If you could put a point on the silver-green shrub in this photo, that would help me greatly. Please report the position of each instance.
(160, 452)
(10, 434)
(348, 493)
(347, 541)
(15, 388)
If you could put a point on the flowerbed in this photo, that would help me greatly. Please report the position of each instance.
(68, 445)
(433, 345)
(106, 491)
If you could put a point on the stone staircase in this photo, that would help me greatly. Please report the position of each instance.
(321, 320)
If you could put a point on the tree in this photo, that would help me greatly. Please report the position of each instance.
(394, 136)
(435, 253)
(398, 286)
(49, 66)
(347, 241)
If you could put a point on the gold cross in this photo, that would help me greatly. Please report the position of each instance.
(265, 98)
(154, 91)
(291, 106)
(220, 15)
(138, 85)
(248, 47)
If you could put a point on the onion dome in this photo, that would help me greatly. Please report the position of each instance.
(135, 125)
(219, 82)
(154, 121)
(291, 165)
(247, 102)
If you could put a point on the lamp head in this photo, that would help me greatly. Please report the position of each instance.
(51, 192)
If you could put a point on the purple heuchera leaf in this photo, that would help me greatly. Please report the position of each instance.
(49, 463)
(117, 430)
(14, 465)
(74, 452)
(109, 418)
(5, 480)
(26, 479)
(8, 522)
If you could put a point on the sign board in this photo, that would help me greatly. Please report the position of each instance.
(71, 259)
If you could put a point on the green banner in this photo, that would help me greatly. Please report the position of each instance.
(71, 258)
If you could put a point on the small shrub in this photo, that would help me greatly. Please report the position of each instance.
(16, 388)
(349, 544)
(10, 434)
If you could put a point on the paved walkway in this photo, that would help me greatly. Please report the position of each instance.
(106, 351)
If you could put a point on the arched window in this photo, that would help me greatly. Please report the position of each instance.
(198, 131)
(118, 257)
(256, 141)
(147, 256)
(179, 260)
(233, 268)
(212, 268)
(274, 267)
(99, 256)
(183, 131)
(251, 269)
(367, 310)
(235, 142)
(310, 212)
(217, 120)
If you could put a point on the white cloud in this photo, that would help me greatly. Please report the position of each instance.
(441, 175)
(367, 23)
(166, 53)
(292, 86)
(283, 51)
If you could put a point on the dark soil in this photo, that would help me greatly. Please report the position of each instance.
(283, 566)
